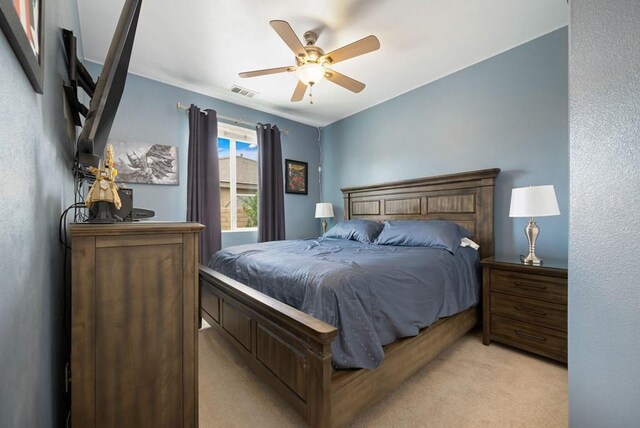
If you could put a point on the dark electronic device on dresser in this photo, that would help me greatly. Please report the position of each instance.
(127, 212)
(106, 92)
(126, 209)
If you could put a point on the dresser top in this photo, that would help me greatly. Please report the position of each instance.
(134, 227)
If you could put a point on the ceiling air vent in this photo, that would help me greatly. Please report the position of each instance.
(243, 91)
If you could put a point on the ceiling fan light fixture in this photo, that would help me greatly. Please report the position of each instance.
(310, 73)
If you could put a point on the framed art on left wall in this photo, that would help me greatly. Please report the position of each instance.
(22, 22)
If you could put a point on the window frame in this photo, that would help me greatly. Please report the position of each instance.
(236, 134)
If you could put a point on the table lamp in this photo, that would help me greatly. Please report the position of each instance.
(532, 202)
(324, 210)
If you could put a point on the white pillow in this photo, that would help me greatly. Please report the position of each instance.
(466, 242)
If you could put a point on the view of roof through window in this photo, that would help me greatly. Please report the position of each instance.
(238, 165)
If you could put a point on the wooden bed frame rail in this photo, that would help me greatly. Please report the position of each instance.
(291, 350)
(286, 347)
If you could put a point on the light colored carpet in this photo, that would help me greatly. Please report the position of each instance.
(468, 385)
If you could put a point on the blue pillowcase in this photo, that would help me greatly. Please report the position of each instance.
(423, 233)
(357, 230)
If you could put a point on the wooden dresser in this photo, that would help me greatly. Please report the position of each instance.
(134, 318)
(526, 306)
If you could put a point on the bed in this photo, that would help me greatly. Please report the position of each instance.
(373, 294)
(292, 350)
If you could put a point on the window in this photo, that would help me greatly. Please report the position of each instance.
(238, 164)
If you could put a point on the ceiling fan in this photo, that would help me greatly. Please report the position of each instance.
(312, 63)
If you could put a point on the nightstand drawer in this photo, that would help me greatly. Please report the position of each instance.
(541, 340)
(527, 285)
(534, 311)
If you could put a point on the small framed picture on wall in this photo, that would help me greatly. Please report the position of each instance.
(296, 177)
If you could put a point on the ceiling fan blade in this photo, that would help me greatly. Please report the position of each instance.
(344, 81)
(287, 34)
(298, 93)
(255, 73)
(360, 47)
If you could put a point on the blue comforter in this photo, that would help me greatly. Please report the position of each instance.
(373, 294)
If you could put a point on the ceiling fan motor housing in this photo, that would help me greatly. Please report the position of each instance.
(311, 37)
(314, 54)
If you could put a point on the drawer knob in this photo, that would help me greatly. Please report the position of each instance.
(530, 336)
(529, 285)
(530, 310)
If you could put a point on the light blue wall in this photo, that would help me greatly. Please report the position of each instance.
(35, 155)
(148, 113)
(510, 112)
(604, 272)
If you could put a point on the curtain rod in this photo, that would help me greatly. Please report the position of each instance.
(233, 120)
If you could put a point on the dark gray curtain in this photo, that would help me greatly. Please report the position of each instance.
(271, 184)
(203, 179)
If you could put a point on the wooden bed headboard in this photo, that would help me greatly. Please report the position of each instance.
(465, 198)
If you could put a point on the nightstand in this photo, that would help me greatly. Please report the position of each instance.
(526, 306)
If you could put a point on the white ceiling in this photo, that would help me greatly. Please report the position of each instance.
(202, 45)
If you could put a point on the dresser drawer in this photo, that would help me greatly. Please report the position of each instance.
(537, 312)
(541, 340)
(534, 286)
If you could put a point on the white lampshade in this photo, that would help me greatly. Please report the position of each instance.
(310, 73)
(324, 210)
(534, 201)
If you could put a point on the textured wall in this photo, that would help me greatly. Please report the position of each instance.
(35, 155)
(604, 273)
(509, 111)
(148, 113)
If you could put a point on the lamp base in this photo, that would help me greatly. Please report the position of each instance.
(532, 260)
(532, 231)
(324, 226)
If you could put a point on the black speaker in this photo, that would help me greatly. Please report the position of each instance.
(126, 210)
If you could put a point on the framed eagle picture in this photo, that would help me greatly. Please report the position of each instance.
(146, 163)
(296, 177)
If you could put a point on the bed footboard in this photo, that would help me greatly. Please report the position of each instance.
(287, 348)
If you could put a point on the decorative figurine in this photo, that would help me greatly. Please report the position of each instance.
(103, 192)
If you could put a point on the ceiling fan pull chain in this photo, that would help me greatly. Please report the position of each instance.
(311, 93)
